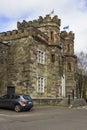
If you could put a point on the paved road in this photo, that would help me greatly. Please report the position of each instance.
(44, 118)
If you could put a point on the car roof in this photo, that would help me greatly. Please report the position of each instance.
(21, 94)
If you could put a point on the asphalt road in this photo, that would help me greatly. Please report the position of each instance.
(44, 118)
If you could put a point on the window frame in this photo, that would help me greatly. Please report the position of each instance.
(40, 84)
(40, 56)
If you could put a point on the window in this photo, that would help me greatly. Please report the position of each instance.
(69, 66)
(52, 57)
(52, 35)
(41, 56)
(40, 84)
(68, 47)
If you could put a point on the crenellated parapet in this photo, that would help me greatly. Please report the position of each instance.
(47, 20)
(21, 33)
(24, 27)
(67, 35)
(14, 34)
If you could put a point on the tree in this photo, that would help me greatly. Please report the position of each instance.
(82, 62)
(82, 65)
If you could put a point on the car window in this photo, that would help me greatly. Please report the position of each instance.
(26, 97)
(17, 96)
(2, 97)
(12, 96)
(6, 97)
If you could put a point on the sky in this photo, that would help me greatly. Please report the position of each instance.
(71, 12)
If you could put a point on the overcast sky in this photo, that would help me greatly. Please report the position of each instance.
(71, 12)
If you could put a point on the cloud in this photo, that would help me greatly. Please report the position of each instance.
(83, 5)
(71, 12)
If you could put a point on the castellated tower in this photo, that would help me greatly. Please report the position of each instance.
(69, 60)
(49, 26)
(41, 60)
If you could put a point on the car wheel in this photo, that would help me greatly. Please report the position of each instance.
(30, 109)
(17, 108)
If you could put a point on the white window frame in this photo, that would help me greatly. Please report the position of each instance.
(41, 56)
(40, 84)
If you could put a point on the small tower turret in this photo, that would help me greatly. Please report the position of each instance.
(67, 39)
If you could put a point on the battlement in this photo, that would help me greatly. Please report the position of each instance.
(20, 33)
(65, 35)
(14, 34)
(40, 22)
(24, 27)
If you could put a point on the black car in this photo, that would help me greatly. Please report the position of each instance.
(17, 102)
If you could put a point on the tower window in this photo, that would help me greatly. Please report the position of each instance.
(69, 66)
(68, 47)
(52, 35)
(52, 57)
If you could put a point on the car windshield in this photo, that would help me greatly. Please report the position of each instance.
(26, 97)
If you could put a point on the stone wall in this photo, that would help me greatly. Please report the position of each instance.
(3, 66)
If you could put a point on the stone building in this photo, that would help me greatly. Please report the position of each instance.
(38, 59)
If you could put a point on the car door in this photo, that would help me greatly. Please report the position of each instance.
(3, 101)
(9, 101)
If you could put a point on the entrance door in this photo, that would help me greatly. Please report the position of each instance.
(63, 85)
(11, 90)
